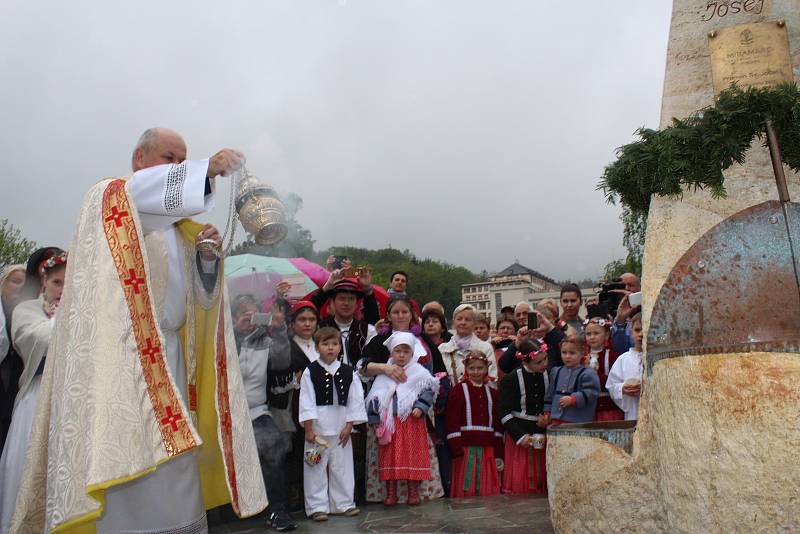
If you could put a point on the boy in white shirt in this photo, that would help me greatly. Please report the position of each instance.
(624, 382)
(331, 402)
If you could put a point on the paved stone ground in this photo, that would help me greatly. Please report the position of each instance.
(503, 513)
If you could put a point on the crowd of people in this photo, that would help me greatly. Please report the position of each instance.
(400, 406)
(348, 403)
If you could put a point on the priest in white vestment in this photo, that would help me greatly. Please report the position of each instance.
(143, 423)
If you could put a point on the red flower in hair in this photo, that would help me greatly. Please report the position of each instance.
(532, 354)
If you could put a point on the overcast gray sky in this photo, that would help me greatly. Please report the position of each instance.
(473, 132)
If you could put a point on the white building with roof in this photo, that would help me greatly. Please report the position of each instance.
(516, 283)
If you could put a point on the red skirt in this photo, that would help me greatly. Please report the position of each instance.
(525, 470)
(609, 414)
(475, 473)
(406, 456)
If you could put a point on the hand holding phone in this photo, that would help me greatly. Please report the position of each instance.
(261, 319)
(338, 261)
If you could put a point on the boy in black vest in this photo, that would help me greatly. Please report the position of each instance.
(331, 402)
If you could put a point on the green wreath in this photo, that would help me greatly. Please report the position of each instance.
(692, 153)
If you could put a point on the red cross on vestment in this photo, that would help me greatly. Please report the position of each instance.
(134, 281)
(116, 216)
(151, 351)
(171, 419)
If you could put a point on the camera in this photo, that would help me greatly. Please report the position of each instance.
(608, 297)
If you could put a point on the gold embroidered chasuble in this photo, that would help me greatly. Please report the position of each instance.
(110, 410)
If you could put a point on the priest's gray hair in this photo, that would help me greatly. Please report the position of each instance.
(147, 141)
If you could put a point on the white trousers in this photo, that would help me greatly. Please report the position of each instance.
(330, 484)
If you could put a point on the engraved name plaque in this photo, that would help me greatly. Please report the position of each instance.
(750, 55)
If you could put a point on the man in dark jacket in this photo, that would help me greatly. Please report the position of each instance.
(343, 295)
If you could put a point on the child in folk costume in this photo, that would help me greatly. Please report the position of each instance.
(573, 389)
(398, 409)
(483, 328)
(521, 410)
(474, 432)
(625, 379)
(331, 402)
(601, 356)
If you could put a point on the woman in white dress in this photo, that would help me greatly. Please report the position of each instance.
(31, 325)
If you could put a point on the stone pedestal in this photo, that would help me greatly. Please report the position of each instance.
(718, 440)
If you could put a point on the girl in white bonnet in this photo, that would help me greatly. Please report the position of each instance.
(398, 410)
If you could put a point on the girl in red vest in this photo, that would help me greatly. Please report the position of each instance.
(600, 357)
(474, 432)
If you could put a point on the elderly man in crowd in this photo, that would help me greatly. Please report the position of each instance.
(621, 336)
(521, 311)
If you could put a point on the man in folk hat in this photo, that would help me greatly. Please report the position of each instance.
(343, 295)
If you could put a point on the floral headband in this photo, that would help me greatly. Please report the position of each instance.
(599, 321)
(532, 354)
(52, 261)
(477, 356)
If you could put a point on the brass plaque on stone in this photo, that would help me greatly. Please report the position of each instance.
(750, 55)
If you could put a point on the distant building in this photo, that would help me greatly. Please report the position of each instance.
(516, 283)
(513, 285)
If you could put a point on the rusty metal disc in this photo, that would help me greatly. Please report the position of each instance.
(735, 290)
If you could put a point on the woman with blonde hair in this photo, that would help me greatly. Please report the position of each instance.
(463, 342)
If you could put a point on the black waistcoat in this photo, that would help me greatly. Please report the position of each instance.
(324, 383)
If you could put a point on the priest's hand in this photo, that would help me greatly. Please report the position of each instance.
(225, 162)
(344, 435)
(208, 232)
(416, 413)
(498, 462)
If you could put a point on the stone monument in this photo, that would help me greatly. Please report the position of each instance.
(717, 444)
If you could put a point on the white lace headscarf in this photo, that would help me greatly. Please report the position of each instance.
(5, 272)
